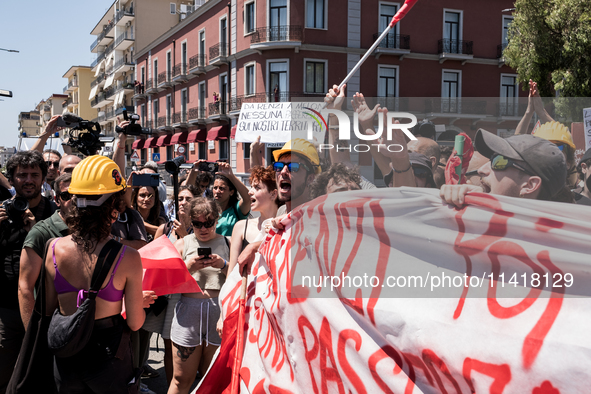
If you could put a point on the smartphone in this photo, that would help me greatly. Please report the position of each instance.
(152, 180)
(206, 252)
(208, 166)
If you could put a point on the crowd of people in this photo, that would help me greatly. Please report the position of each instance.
(59, 212)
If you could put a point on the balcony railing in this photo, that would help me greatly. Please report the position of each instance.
(120, 63)
(99, 57)
(276, 33)
(511, 108)
(218, 108)
(139, 89)
(122, 13)
(65, 89)
(179, 69)
(73, 83)
(199, 60)
(122, 36)
(163, 121)
(163, 77)
(105, 94)
(98, 80)
(459, 47)
(197, 113)
(110, 113)
(398, 41)
(455, 106)
(500, 49)
(106, 29)
(179, 117)
(218, 50)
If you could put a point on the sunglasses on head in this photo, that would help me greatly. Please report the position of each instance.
(49, 163)
(500, 163)
(292, 167)
(208, 224)
(64, 196)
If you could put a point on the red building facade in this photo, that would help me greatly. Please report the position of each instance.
(435, 60)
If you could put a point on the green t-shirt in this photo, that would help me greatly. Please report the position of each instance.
(52, 227)
(228, 219)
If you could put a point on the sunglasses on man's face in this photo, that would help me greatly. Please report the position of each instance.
(560, 146)
(64, 196)
(199, 225)
(500, 163)
(55, 164)
(421, 172)
(292, 167)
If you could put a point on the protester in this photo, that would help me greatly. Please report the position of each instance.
(193, 331)
(144, 200)
(52, 159)
(583, 195)
(98, 197)
(338, 178)
(26, 171)
(421, 170)
(68, 163)
(477, 161)
(226, 188)
(34, 246)
(429, 148)
(520, 166)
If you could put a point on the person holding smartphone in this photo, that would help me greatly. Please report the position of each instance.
(193, 333)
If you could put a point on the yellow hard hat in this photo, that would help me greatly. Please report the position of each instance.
(301, 147)
(555, 132)
(96, 175)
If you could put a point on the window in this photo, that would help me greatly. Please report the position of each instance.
(202, 147)
(223, 36)
(169, 154)
(387, 12)
(168, 109)
(184, 105)
(278, 17)
(509, 95)
(168, 65)
(155, 110)
(387, 81)
(201, 103)
(315, 14)
(223, 149)
(143, 114)
(173, 8)
(249, 17)
(277, 82)
(452, 32)
(246, 148)
(143, 154)
(223, 92)
(202, 43)
(315, 77)
(451, 89)
(507, 20)
(143, 76)
(184, 58)
(249, 84)
(155, 72)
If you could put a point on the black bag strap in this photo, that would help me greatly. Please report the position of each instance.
(103, 266)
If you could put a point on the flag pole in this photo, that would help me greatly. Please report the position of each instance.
(235, 383)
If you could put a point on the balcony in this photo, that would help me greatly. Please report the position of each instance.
(99, 80)
(219, 110)
(197, 64)
(179, 73)
(218, 54)
(511, 109)
(122, 65)
(72, 84)
(164, 123)
(124, 41)
(123, 16)
(104, 37)
(456, 106)
(103, 98)
(139, 92)
(455, 50)
(276, 37)
(110, 114)
(197, 115)
(65, 90)
(164, 80)
(393, 44)
(67, 102)
(152, 86)
(96, 61)
(180, 120)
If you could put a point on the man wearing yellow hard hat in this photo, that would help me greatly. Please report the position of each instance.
(296, 166)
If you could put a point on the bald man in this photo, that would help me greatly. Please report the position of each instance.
(429, 148)
(68, 162)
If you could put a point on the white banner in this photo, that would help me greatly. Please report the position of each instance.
(587, 125)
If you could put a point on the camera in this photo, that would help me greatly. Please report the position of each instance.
(133, 128)
(152, 180)
(14, 209)
(208, 167)
(88, 139)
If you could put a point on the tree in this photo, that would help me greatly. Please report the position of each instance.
(550, 42)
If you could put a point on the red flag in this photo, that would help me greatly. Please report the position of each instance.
(408, 4)
(165, 271)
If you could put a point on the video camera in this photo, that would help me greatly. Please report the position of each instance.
(14, 209)
(89, 138)
(133, 128)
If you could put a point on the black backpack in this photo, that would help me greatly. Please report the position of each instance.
(68, 335)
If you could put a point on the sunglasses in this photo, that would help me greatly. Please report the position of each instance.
(421, 172)
(500, 163)
(207, 224)
(292, 167)
(49, 163)
(64, 196)
(561, 147)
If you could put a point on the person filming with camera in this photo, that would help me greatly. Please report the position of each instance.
(26, 171)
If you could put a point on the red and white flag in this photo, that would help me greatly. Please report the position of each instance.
(401, 334)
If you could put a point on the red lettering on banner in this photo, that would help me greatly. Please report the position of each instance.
(310, 352)
(342, 355)
(380, 354)
(259, 388)
(545, 224)
(546, 388)
(326, 352)
(416, 361)
(501, 374)
(245, 375)
(278, 390)
(432, 361)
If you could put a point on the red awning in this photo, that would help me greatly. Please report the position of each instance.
(179, 138)
(138, 144)
(218, 133)
(233, 132)
(198, 135)
(150, 142)
(164, 140)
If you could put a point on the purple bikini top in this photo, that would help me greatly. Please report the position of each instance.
(108, 293)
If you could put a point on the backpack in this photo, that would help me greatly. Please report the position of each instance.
(68, 335)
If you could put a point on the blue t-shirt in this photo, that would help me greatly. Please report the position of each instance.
(228, 219)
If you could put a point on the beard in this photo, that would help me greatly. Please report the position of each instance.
(28, 194)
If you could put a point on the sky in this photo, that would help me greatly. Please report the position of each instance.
(51, 36)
